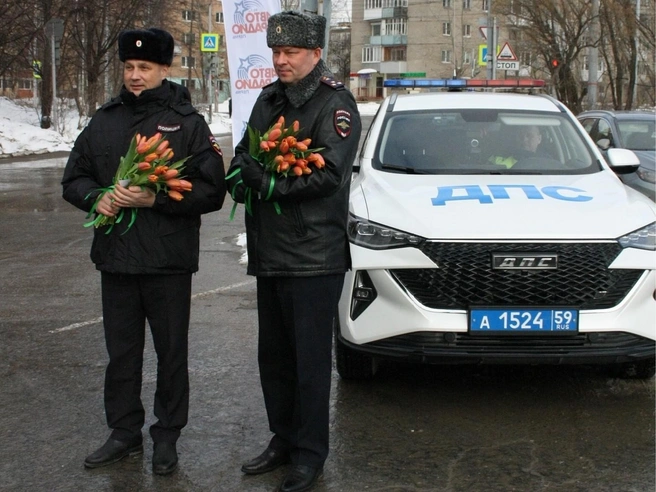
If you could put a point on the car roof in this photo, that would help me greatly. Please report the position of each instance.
(472, 100)
(620, 114)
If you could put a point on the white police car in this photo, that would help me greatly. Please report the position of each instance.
(471, 244)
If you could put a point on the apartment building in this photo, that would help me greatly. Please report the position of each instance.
(416, 38)
(192, 66)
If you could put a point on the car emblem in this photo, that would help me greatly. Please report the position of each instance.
(524, 261)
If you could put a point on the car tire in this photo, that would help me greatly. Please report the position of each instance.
(644, 369)
(352, 365)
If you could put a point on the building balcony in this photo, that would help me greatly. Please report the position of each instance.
(393, 67)
(389, 40)
(395, 13)
(373, 14)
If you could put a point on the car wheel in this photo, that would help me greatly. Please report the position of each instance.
(353, 365)
(644, 369)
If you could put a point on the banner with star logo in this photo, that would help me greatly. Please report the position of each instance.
(249, 58)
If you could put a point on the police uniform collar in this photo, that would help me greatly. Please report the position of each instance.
(299, 94)
(157, 93)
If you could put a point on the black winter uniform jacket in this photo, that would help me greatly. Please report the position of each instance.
(165, 238)
(308, 237)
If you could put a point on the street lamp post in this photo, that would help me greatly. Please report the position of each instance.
(637, 56)
(491, 43)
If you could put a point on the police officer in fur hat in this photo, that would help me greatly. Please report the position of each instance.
(145, 267)
(298, 246)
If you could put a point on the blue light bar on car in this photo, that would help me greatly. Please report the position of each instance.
(462, 83)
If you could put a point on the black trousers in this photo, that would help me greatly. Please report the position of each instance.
(128, 301)
(295, 317)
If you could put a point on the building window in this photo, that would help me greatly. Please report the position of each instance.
(395, 54)
(187, 62)
(219, 18)
(525, 58)
(371, 54)
(373, 4)
(188, 15)
(446, 4)
(24, 84)
(375, 29)
(189, 38)
(446, 56)
(466, 30)
(395, 27)
(446, 28)
(466, 58)
(486, 5)
(194, 83)
(466, 4)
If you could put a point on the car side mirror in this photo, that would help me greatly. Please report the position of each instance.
(603, 143)
(623, 161)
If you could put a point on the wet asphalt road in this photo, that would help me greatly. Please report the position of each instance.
(413, 428)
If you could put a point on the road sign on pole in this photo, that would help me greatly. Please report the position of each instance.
(209, 41)
(506, 53)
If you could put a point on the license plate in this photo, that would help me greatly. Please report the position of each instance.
(536, 321)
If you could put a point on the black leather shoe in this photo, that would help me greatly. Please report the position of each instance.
(165, 458)
(301, 478)
(266, 462)
(113, 451)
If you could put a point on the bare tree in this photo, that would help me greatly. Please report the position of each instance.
(626, 43)
(339, 54)
(17, 31)
(557, 31)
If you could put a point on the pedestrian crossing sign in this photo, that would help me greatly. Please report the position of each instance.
(209, 42)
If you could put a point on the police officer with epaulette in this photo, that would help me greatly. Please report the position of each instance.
(146, 265)
(297, 246)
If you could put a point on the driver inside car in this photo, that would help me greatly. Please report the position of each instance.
(528, 140)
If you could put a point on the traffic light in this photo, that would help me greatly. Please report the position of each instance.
(554, 63)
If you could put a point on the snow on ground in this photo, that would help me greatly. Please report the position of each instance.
(21, 134)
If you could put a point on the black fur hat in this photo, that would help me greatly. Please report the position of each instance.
(154, 45)
(291, 28)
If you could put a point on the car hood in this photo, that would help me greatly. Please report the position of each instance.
(591, 206)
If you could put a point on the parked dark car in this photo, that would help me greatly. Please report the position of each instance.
(633, 130)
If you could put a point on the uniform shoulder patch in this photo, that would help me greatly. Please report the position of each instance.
(342, 121)
(331, 82)
(215, 145)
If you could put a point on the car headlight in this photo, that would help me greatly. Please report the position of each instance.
(644, 238)
(376, 236)
(646, 175)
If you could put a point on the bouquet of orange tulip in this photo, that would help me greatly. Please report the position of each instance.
(146, 163)
(281, 153)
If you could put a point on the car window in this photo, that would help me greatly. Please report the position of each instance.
(482, 141)
(638, 134)
(588, 125)
(604, 131)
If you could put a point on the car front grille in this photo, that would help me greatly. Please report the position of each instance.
(465, 278)
(464, 344)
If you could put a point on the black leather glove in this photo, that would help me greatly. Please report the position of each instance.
(251, 172)
(238, 192)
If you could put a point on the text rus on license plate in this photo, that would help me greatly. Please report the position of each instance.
(552, 321)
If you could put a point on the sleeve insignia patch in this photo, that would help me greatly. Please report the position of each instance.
(342, 120)
(215, 145)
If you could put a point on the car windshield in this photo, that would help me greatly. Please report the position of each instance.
(482, 141)
(638, 134)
